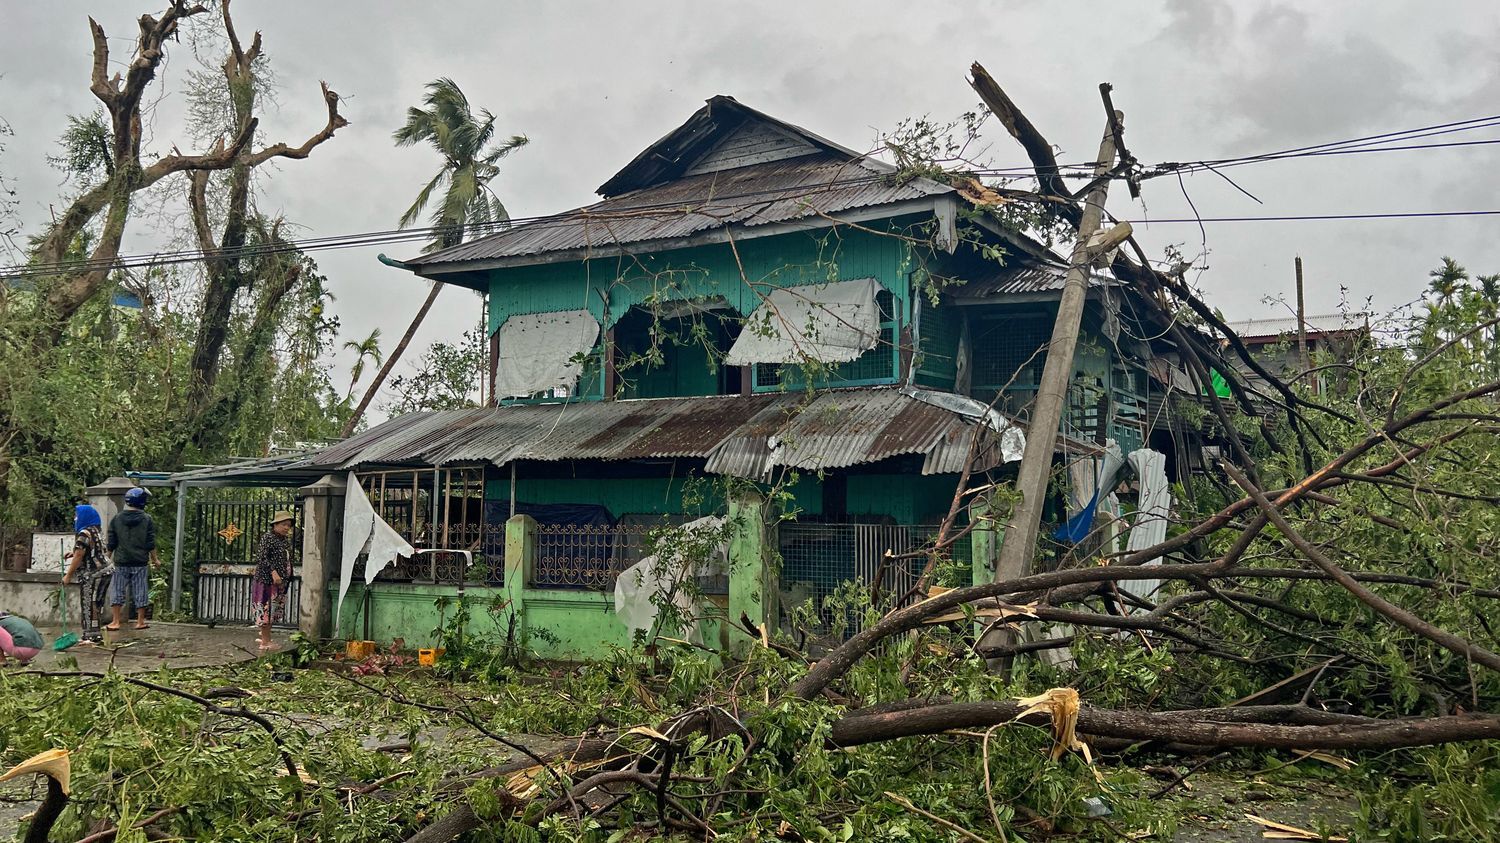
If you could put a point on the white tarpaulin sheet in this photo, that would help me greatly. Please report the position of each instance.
(639, 584)
(822, 323)
(365, 531)
(1155, 503)
(540, 351)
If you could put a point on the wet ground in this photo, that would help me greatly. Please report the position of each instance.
(1217, 806)
(170, 645)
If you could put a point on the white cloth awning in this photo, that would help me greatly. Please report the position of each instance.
(541, 351)
(822, 323)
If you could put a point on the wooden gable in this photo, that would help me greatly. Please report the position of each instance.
(754, 142)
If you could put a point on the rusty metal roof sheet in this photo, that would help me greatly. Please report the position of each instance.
(747, 436)
(776, 191)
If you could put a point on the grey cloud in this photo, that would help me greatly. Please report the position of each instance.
(594, 82)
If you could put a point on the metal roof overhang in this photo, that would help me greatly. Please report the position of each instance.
(295, 470)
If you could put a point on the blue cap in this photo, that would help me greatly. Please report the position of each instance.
(137, 497)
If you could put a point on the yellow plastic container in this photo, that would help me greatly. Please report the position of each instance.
(428, 657)
(359, 650)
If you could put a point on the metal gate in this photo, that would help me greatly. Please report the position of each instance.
(225, 536)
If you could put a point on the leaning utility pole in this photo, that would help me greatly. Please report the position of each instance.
(1019, 542)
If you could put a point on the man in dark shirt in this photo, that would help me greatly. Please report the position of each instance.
(132, 540)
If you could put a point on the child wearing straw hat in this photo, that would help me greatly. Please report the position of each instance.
(273, 570)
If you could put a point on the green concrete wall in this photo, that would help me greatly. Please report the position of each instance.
(559, 623)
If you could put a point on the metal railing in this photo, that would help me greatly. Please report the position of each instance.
(818, 558)
(223, 597)
(593, 556)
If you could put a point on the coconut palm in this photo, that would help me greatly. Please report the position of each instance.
(366, 349)
(471, 155)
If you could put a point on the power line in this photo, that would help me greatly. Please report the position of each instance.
(1322, 217)
(1359, 145)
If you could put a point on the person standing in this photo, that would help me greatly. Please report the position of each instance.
(132, 540)
(273, 572)
(90, 568)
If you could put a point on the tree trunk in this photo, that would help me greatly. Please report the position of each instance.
(390, 360)
(1204, 728)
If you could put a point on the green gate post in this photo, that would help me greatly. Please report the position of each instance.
(752, 581)
(985, 540)
(520, 554)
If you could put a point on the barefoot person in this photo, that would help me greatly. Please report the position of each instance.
(19, 640)
(90, 569)
(132, 540)
(273, 570)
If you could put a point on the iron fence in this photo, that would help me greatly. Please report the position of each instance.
(441, 567)
(593, 556)
(817, 559)
(224, 597)
(225, 536)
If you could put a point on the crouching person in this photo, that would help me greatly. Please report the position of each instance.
(19, 640)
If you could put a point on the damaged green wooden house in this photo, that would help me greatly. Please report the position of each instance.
(753, 322)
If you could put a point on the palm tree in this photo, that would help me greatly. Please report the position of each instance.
(1446, 280)
(367, 348)
(1489, 309)
(471, 155)
(470, 160)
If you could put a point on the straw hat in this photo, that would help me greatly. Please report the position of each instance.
(282, 515)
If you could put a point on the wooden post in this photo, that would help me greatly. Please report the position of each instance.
(494, 368)
(1302, 321)
(1041, 436)
(611, 377)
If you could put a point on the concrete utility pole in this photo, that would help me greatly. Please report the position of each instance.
(1019, 542)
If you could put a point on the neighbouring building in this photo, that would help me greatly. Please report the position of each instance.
(1331, 337)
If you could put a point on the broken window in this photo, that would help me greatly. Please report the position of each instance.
(675, 349)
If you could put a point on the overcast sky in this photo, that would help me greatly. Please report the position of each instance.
(593, 83)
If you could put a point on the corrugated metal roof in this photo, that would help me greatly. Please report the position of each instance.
(1016, 280)
(1328, 323)
(777, 191)
(742, 435)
